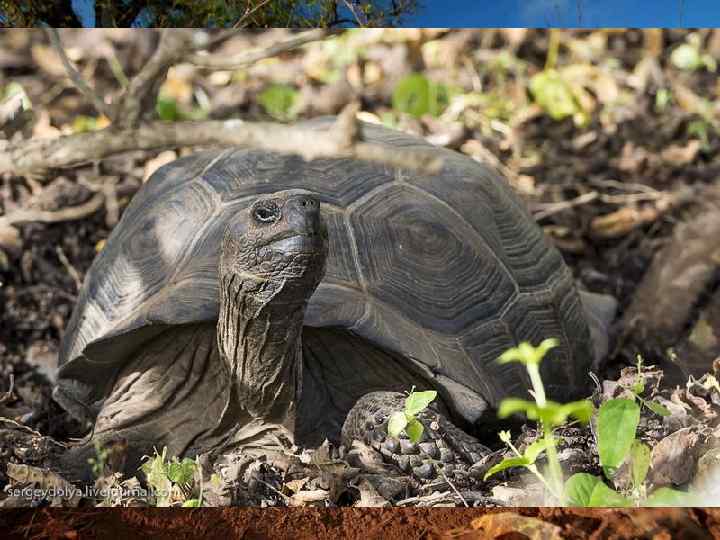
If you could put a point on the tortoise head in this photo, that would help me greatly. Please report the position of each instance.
(275, 251)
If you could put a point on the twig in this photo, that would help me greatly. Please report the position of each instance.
(454, 489)
(548, 209)
(248, 12)
(74, 274)
(75, 76)
(250, 57)
(41, 154)
(142, 90)
(5, 396)
(25, 215)
(361, 20)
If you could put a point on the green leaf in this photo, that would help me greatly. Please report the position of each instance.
(14, 89)
(216, 480)
(511, 406)
(686, 57)
(617, 422)
(584, 489)
(535, 449)
(191, 503)
(602, 495)
(555, 414)
(526, 354)
(412, 95)
(414, 430)
(655, 407)
(507, 463)
(181, 472)
(167, 110)
(670, 497)
(640, 462)
(505, 436)
(418, 401)
(278, 100)
(579, 488)
(155, 469)
(663, 97)
(553, 94)
(397, 423)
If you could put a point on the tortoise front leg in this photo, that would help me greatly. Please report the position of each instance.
(174, 395)
(443, 448)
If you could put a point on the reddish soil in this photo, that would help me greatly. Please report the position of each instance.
(350, 523)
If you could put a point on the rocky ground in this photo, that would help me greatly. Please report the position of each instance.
(621, 170)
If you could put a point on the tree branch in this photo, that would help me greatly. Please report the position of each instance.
(342, 140)
(71, 213)
(77, 79)
(142, 91)
(250, 57)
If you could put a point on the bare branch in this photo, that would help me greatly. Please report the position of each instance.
(75, 76)
(6, 396)
(340, 141)
(142, 91)
(27, 215)
(250, 57)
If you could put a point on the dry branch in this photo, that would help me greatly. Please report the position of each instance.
(71, 213)
(337, 142)
(77, 79)
(141, 93)
(250, 57)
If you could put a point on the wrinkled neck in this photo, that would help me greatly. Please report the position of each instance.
(260, 341)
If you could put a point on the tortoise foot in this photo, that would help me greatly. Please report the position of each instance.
(444, 450)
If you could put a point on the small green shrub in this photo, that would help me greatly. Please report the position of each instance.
(406, 420)
(173, 480)
(617, 421)
(417, 95)
(279, 101)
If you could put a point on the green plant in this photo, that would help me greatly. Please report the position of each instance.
(99, 461)
(173, 480)
(617, 422)
(557, 97)
(689, 56)
(406, 420)
(279, 100)
(549, 413)
(417, 95)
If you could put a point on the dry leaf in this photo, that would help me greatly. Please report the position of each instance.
(369, 497)
(495, 525)
(677, 154)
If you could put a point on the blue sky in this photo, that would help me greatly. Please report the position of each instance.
(593, 13)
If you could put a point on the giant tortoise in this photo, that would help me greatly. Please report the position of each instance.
(248, 300)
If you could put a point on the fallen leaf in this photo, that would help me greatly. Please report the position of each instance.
(677, 154)
(495, 525)
(369, 497)
(674, 458)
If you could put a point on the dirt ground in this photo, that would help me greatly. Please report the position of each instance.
(394, 524)
(616, 184)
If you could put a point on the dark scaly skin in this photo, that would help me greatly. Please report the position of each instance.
(236, 384)
(268, 272)
(443, 448)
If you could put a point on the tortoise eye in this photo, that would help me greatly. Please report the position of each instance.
(264, 214)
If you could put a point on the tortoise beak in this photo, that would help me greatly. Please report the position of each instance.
(297, 243)
(302, 213)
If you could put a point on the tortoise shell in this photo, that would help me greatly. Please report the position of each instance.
(447, 270)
